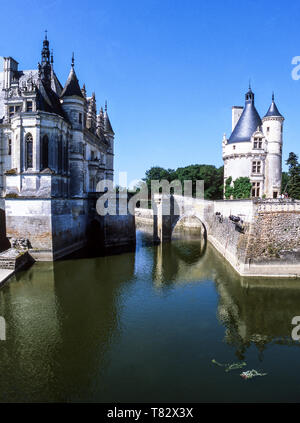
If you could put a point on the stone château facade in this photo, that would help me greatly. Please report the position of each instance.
(254, 148)
(55, 148)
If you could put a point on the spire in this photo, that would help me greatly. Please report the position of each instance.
(249, 96)
(107, 124)
(45, 67)
(72, 87)
(45, 50)
(51, 58)
(83, 90)
(273, 111)
(100, 123)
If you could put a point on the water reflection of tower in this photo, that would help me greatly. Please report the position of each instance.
(28, 304)
(89, 299)
(256, 311)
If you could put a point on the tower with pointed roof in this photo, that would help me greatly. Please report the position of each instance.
(55, 150)
(254, 148)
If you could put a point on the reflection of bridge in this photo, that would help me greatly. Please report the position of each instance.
(265, 241)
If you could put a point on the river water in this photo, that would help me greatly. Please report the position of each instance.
(145, 327)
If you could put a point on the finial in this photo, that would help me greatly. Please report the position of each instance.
(106, 105)
(72, 60)
(51, 59)
(272, 95)
(249, 84)
(46, 34)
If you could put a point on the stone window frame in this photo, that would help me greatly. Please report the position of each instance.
(258, 143)
(255, 190)
(28, 108)
(14, 109)
(44, 150)
(256, 167)
(9, 146)
(28, 150)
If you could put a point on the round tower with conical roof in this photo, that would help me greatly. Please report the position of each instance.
(253, 149)
(273, 128)
(73, 104)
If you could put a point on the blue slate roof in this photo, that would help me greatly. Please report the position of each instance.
(248, 122)
(72, 86)
(273, 111)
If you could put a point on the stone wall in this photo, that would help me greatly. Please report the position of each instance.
(275, 234)
(265, 242)
(269, 244)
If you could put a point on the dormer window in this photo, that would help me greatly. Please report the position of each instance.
(29, 106)
(257, 143)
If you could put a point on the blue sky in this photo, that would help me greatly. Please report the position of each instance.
(170, 69)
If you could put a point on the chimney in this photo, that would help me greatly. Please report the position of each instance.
(236, 114)
(10, 66)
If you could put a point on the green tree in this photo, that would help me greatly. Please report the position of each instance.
(157, 173)
(294, 176)
(228, 188)
(212, 176)
(284, 182)
(242, 188)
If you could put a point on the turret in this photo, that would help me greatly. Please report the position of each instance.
(272, 129)
(73, 104)
(245, 121)
(73, 100)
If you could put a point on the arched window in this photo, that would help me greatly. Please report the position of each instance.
(28, 151)
(45, 152)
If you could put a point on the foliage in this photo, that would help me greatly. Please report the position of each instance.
(242, 188)
(212, 176)
(228, 188)
(284, 182)
(293, 185)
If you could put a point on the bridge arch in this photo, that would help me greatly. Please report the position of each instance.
(192, 219)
